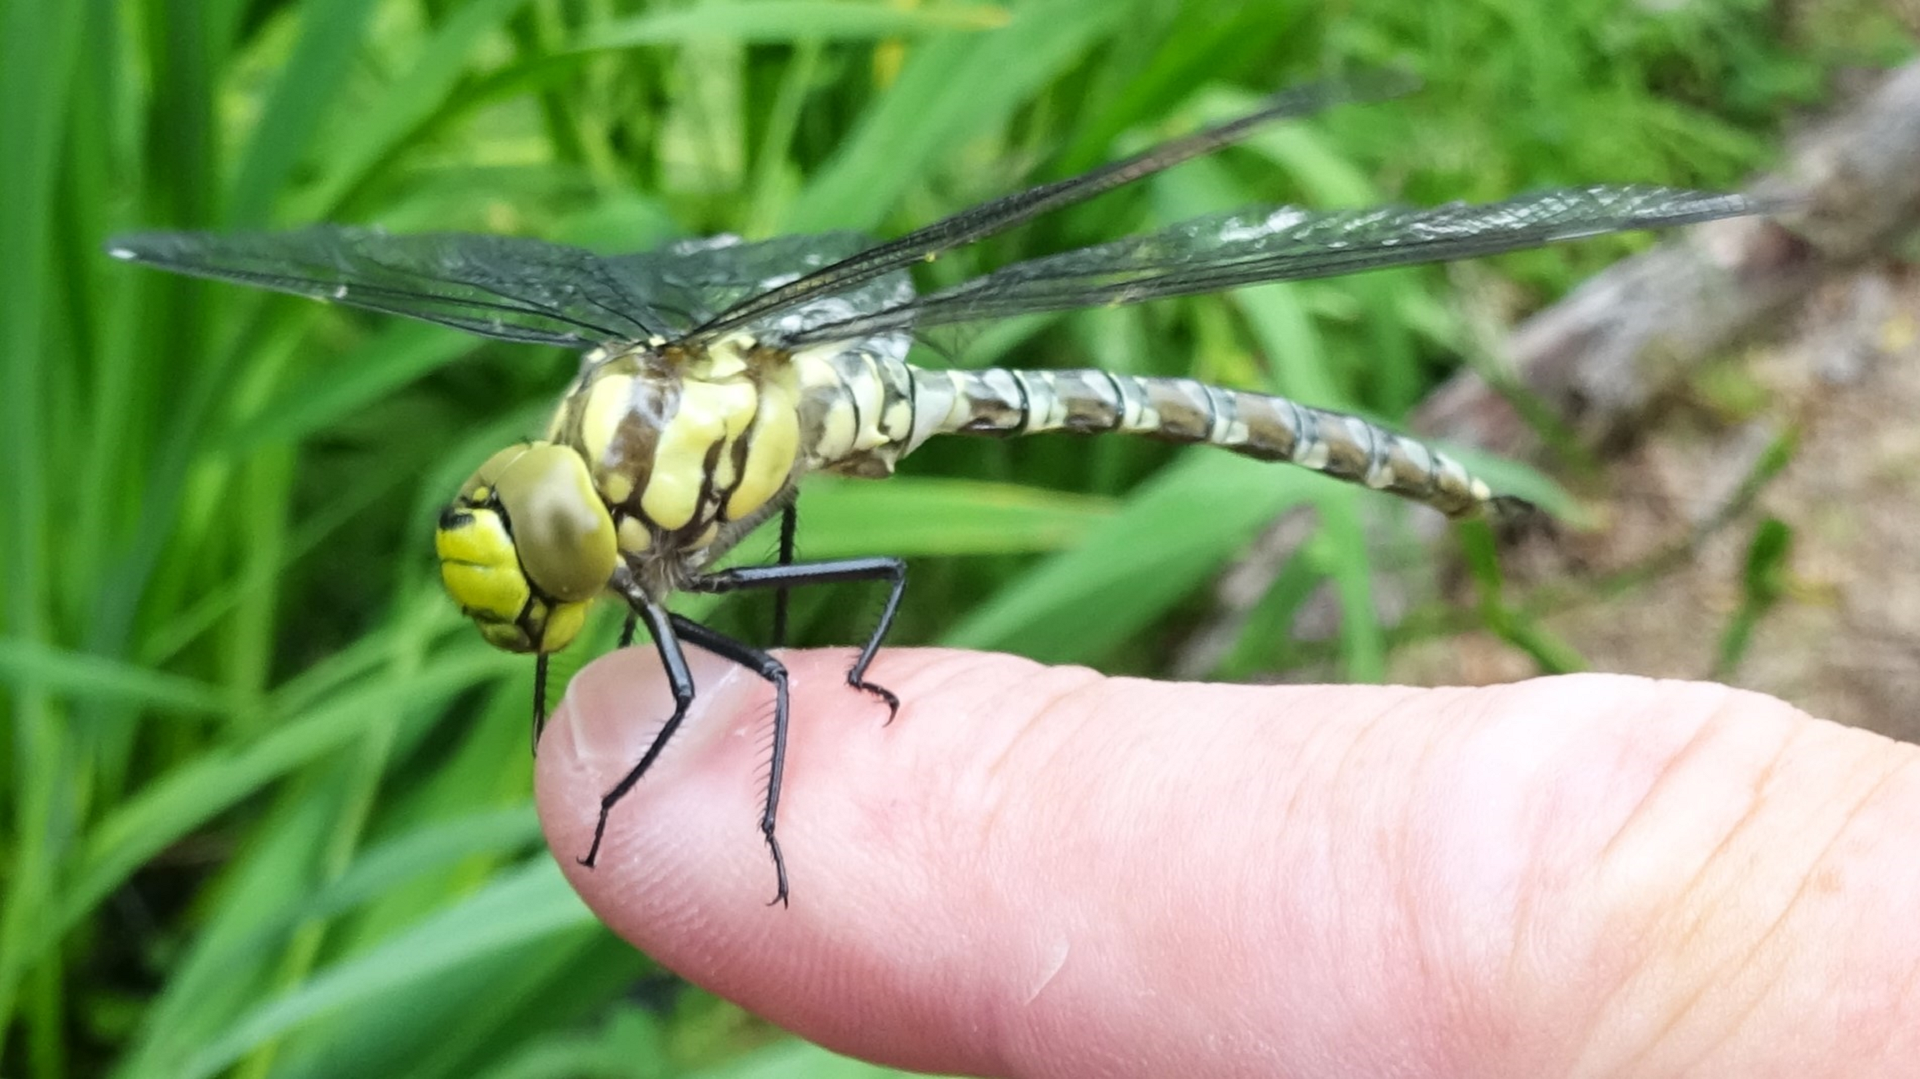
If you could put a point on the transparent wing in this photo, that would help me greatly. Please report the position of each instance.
(694, 280)
(997, 215)
(1251, 246)
(516, 289)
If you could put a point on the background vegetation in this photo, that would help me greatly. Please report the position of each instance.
(267, 798)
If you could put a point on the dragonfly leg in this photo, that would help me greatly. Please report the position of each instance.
(773, 671)
(628, 630)
(892, 570)
(789, 524)
(660, 624)
(539, 699)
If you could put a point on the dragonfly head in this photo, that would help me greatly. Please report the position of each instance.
(525, 547)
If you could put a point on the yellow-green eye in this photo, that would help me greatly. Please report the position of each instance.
(526, 545)
(560, 527)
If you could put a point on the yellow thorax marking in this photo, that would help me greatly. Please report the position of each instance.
(608, 402)
(717, 404)
(634, 537)
(711, 415)
(774, 445)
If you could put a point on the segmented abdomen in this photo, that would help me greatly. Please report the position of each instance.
(1184, 410)
(863, 413)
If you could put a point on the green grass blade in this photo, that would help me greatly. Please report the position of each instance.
(137, 829)
(1137, 565)
(330, 31)
(80, 677)
(1348, 566)
(912, 516)
(782, 22)
(405, 110)
(527, 907)
(39, 58)
(395, 356)
(197, 1003)
(952, 90)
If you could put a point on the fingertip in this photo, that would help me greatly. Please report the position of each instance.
(685, 872)
(613, 712)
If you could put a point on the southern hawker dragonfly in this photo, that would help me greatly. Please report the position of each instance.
(717, 374)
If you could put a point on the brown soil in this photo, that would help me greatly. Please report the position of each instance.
(1633, 595)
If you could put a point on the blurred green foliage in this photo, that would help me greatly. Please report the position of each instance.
(266, 797)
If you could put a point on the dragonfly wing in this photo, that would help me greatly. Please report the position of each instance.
(997, 215)
(496, 286)
(1248, 247)
(525, 290)
(694, 280)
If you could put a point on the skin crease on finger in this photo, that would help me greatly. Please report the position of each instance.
(1040, 871)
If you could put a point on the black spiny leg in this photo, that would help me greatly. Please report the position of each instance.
(669, 631)
(893, 570)
(789, 524)
(770, 669)
(660, 624)
(626, 631)
(539, 699)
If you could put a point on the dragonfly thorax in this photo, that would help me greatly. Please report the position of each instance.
(688, 450)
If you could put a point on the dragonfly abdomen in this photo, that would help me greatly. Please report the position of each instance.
(1183, 410)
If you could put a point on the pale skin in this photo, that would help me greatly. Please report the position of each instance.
(1041, 871)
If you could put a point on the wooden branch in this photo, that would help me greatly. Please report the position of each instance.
(1597, 358)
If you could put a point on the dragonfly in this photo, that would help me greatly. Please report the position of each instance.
(718, 373)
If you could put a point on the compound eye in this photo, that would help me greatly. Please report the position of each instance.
(561, 529)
